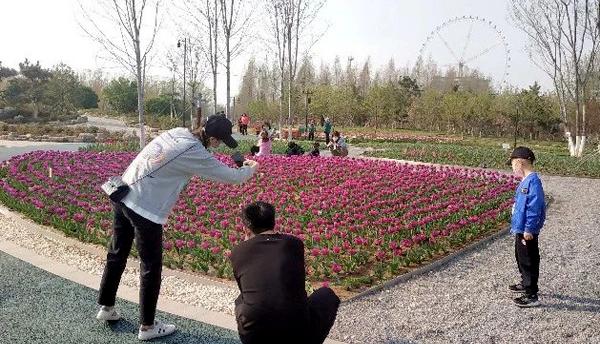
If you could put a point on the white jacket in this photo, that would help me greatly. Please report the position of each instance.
(154, 196)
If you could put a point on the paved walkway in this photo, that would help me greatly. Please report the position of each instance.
(39, 307)
(12, 148)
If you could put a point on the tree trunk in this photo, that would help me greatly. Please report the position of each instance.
(36, 110)
(581, 146)
(215, 54)
(215, 91)
(140, 91)
(139, 76)
(281, 100)
(228, 68)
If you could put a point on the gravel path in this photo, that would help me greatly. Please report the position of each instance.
(467, 301)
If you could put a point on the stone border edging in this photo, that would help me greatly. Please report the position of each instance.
(429, 267)
(436, 264)
(98, 250)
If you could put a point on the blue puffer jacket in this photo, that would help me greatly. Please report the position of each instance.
(529, 210)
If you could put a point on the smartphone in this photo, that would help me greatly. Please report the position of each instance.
(238, 158)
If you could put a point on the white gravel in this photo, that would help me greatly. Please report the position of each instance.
(211, 296)
(467, 301)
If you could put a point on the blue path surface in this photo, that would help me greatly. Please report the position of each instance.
(39, 307)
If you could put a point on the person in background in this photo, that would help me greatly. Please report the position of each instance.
(267, 127)
(294, 149)
(528, 217)
(156, 177)
(327, 129)
(316, 149)
(338, 146)
(264, 144)
(245, 122)
(240, 126)
(269, 268)
(311, 130)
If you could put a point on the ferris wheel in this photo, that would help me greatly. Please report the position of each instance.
(469, 43)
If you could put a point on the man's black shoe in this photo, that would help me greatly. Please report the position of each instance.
(526, 301)
(516, 288)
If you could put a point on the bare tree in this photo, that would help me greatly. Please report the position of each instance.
(235, 20)
(290, 22)
(203, 24)
(130, 46)
(565, 38)
(278, 42)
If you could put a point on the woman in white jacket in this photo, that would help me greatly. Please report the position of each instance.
(156, 177)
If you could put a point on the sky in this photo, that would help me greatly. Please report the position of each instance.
(48, 31)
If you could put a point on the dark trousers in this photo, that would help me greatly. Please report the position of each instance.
(322, 306)
(326, 137)
(148, 238)
(311, 135)
(322, 309)
(528, 261)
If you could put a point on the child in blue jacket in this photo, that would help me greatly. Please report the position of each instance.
(528, 216)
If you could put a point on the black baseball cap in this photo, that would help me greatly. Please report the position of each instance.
(218, 126)
(521, 153)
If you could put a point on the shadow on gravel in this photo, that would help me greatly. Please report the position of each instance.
(572, 303)
(399, 341)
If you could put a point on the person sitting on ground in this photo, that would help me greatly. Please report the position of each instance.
(269, 268)
(316, 149)
(254, 150)
(337, 145)
(264, 144)
(294, 149)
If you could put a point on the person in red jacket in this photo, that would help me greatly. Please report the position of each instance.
(245, 121)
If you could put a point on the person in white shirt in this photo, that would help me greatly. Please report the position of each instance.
(156, 177)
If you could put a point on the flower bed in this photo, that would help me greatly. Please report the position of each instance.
(361, 221)
(398, 137)
(548, 159)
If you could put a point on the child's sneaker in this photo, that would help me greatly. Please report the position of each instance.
(159, 330)
(526, 301)
(108, 314)
(516, 288)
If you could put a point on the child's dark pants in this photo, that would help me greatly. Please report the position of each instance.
(528, 261)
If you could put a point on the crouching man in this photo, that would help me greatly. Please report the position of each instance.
(273, 306)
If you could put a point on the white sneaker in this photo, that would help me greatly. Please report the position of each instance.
(159, 330)
(108, 315)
